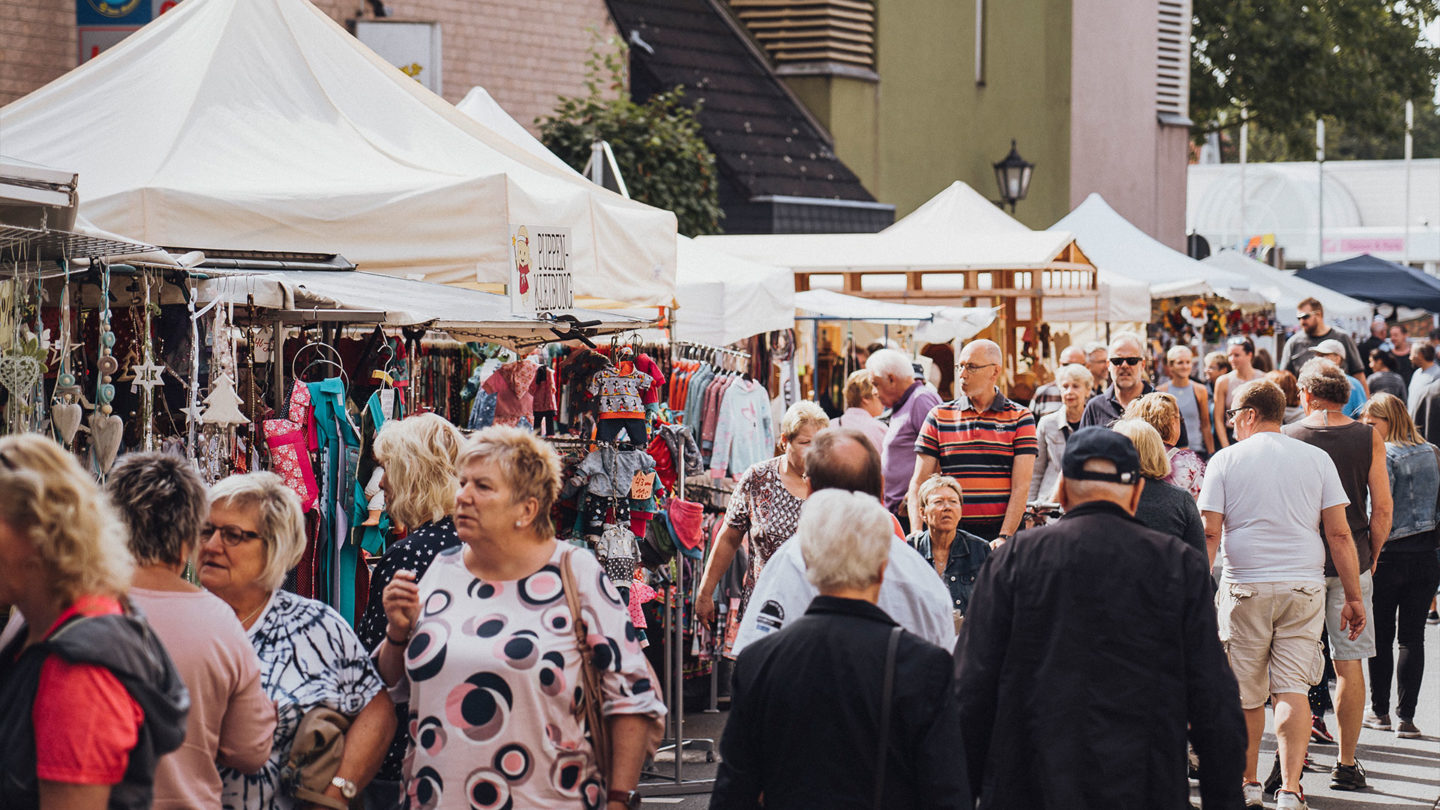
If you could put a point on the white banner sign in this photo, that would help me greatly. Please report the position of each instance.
(540, 271)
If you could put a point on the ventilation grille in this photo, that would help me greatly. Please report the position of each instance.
(796, 32)
(1172, 59)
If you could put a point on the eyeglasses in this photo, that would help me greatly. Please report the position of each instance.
(1305, 316)
(229, 535)
(1231, 413)
(1125, 361)
(973, 367)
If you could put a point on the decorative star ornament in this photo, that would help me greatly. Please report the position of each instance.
(147, 376)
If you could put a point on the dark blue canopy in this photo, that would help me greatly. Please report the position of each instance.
(1376, 280)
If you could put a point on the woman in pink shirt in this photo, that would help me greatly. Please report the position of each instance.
(163, 503)
(862, 406)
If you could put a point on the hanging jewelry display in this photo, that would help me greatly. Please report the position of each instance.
(222, 413)
(22, 362)
(106, 428)
(146, 375)
(65, 410)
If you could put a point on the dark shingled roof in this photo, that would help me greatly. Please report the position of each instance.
(765, 142)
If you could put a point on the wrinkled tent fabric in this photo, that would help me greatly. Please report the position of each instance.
(264, 125)
(1287, 289)
(933, 324)
(1123, 254)
(720, 298)
(1372, 279)
(463, 314)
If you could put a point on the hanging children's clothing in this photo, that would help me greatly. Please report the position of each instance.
(744, 432)
(619, 389)
(513, 386)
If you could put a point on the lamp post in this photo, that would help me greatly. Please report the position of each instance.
(1012, 174)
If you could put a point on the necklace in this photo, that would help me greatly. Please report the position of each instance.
(245, 621)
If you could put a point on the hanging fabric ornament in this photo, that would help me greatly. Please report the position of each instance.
(65, 412)
(222, 407)
(106, 429)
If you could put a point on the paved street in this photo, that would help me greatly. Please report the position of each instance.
(1402, 773)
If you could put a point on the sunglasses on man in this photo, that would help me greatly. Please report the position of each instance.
(1125, 361)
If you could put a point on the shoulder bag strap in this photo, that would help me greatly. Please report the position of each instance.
(589, 708)
(887, 693)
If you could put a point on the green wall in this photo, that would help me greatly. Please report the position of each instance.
(847, 107)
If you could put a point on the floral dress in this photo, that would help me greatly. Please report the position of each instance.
(493, 674)
(1187, 470)
(762, 507)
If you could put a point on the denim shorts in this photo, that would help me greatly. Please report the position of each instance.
(1341, 647)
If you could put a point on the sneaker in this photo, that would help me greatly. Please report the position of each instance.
(1285, 800)
(1406, 729)
(1379, 722)
(1433, 618)
(1272, 782)
(1254, 795)
(1318, 732)
(1348, 777)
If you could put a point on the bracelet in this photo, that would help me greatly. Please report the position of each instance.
(401, 643)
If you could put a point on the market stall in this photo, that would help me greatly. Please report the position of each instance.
(1378, 281)
(1287, 289)
(264, 125)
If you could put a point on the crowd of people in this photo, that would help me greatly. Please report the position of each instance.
(912, 630)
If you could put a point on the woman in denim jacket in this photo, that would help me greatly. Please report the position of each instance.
(955, 554)
(1407, 570)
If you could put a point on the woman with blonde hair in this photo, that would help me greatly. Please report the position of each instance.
(1191, 398)
(862, 406)
(485, 644)
(310, 659)
(90, 698)
(1162, 412)
(765, 505)
(1407, 572)
(418, 458)
(1164, 507)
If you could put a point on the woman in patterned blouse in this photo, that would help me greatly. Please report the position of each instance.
(309, 656)
(484, 646)
(418, 455)
(1160, 410)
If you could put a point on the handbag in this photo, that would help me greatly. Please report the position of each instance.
(589, 707)
(315, 757)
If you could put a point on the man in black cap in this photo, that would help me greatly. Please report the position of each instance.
(1089, 645)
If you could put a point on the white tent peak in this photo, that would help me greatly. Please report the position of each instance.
(958, 208)
(264, 125)
(480, 105)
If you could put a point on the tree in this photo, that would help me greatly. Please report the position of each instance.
(1288, 62)
(657, 144)
(1345, 141)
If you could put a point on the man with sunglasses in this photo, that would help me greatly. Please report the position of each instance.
(1313, 330)
(1127, 384)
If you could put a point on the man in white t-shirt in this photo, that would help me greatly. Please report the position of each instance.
(1264, 501)
(911, 593)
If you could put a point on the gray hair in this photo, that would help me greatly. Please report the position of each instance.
(281, 523)
(1076, 372)
(800, 415)
(1072, 350)
(844, 539)
(1324, 380)
(162, 502)
(1095, 346)
(890, 363)
(1127, 337)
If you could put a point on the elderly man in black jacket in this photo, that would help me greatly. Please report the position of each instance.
(809, 724)
(1089, 645)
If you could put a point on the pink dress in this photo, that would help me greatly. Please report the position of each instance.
(493, 671)
(1187, 470)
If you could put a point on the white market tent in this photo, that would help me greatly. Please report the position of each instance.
(932, 324)
(720, 298)
(1287, 290)
(1122, 251)
(264, 125)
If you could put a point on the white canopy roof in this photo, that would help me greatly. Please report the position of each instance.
(1286, 289)
(480, 105)
(264, 125)
(933, 324)
(390, 301)
(1122, 252)
(724, 298)
(961, 209)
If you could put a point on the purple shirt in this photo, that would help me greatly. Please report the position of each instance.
(898, 454)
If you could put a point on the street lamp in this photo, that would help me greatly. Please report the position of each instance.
(1012, 174)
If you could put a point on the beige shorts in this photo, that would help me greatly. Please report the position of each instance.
(1271, 633)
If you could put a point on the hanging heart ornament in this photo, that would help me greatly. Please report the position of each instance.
(65, 416)
(19, 373)
(106, 432)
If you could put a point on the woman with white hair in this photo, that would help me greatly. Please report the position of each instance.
(765, 505)
(1163, 507)
(890, 732)
(1054, 429)
(309, 657)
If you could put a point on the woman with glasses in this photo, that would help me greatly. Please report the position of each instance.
(955, 554)
(89, 697)
(1241, 353)
(309, 656)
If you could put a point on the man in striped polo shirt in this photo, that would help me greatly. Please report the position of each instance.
(984, 441)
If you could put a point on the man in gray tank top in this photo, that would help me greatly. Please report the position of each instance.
(1359, 456)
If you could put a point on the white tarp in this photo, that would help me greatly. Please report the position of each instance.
(1287, 290)
(932, 324)
(724, 298)
(464, 314)
(480, 105)
(264, 125)
(1123, 253)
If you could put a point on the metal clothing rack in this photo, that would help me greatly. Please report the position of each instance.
(675, 741)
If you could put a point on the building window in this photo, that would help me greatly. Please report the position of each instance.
(1172, 62)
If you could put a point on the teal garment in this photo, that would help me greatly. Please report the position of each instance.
(1357, 397)
(339, 445)
(372, 418)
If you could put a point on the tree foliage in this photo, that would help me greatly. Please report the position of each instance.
(1345, 141)
(1287, 62)
(657, 144)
